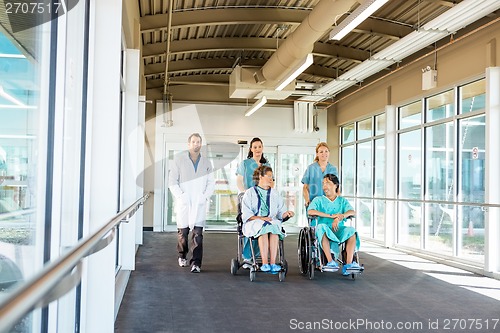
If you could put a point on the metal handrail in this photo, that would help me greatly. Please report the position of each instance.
(439, 202)
(34, 292)
(17, 213)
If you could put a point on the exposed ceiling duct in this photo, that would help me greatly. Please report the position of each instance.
(252, 83)
(301, 41)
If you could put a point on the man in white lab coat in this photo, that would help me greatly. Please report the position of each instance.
(191, 182)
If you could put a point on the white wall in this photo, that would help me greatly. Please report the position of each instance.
(274, 125)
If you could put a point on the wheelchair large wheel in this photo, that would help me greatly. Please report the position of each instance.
(282, 275)
(303, 251)
(311, 264)
(234, 266)
(285, 266)
(311, 268)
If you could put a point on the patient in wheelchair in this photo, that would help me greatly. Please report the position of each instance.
(332, 209)
(263, 211)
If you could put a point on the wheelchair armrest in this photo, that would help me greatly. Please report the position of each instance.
(311, 219)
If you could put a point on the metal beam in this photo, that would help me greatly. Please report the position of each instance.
(248, 44)
(276, 16)
(224, 16)
(200, 65)
(210, 45)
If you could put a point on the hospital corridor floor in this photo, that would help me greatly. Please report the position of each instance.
(397, 292)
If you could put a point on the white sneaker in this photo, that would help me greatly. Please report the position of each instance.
(183, 262)
(195, 269)
(247, 263)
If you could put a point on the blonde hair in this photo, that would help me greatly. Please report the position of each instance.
(318, 146)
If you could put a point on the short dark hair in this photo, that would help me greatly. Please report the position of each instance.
(260, 172)
(331, 177)
(334, 179)
(196, 135)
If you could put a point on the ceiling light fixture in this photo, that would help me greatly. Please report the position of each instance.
(355, 18)
(455, 18)
(296, 71)
(257, 105)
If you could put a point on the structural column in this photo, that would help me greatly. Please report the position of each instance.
(102, 179)
(131, 157)
(492, 227)
(390, 175)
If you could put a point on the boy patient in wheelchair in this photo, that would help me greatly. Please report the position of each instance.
(263, 210)
(332, 209)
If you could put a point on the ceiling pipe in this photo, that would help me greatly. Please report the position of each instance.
(167, 97)
(301, 41)
(168, 42)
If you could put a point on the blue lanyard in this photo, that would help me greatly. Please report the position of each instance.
(268, 200)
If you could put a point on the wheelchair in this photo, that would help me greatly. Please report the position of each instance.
(256, 261)
(312, 258)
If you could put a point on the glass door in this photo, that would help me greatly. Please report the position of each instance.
(223, 204)
(167, 207)
(288, 163)
(292, 163)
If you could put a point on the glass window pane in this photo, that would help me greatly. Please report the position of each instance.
(380, 124)
(410, 165)
(364, 216)
(440, 106)
(439, 168)
(440, 220)
(471, 236)
(364, 169)
(472, 157)
(347, 170)
(364, 211)
(439, 161)
(365, 129)
(348, 133)
(19, 133)
(472, 189)
(410, 115)
(472, 96)
(22, 158)
(410, 213)
(379, 216)
(379, 168)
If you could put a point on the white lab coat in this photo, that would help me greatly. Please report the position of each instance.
(249, 208)
(191, 189)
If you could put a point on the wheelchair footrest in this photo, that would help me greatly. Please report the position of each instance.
(355, 269)
(329, 269)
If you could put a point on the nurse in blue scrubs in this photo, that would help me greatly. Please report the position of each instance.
(244, 181)
(313, 177)
(255, 159)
